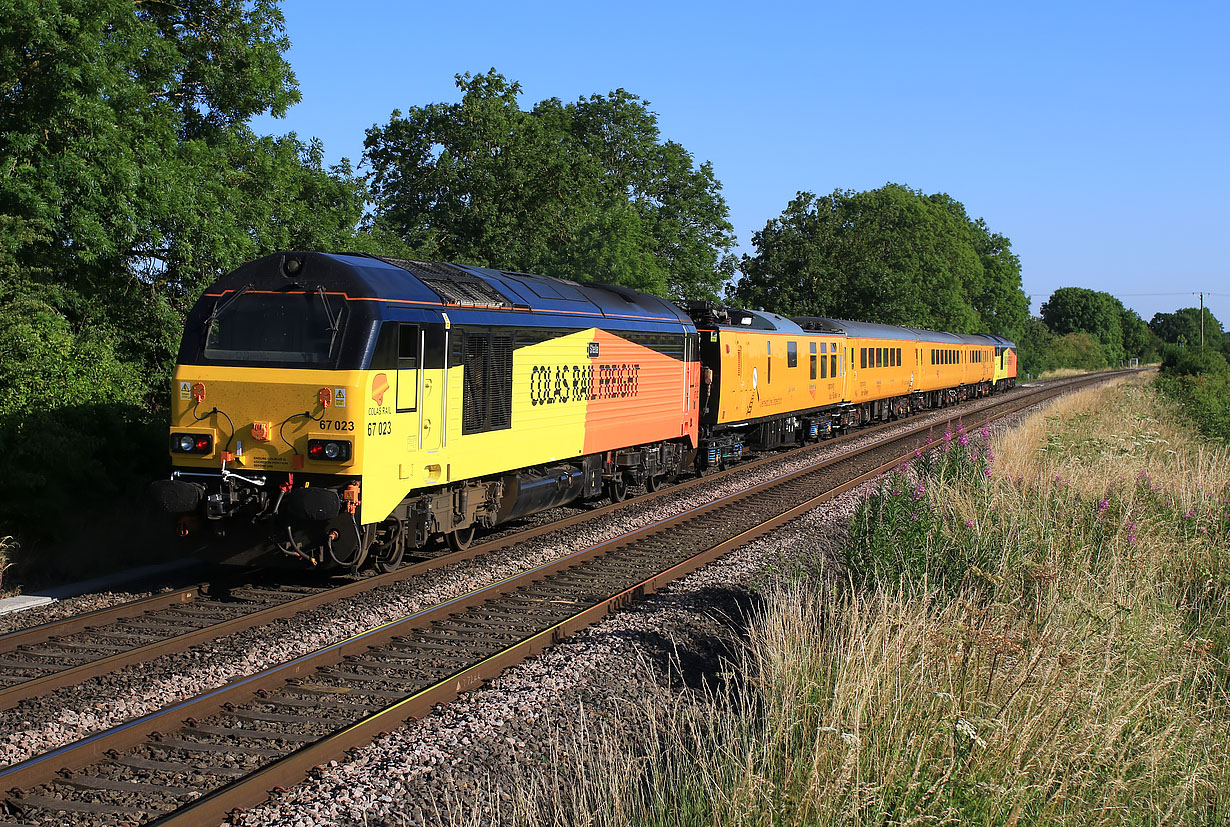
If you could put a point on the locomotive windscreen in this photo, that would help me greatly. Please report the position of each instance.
(283, 328)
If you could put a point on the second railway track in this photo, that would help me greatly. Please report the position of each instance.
(194, 761)
(40, 659)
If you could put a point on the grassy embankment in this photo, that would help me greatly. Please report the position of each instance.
(1034, 629)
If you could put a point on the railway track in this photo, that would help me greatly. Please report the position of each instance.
(193, 762)
(43, 658)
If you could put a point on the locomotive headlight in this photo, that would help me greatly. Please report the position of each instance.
(192, 443)
(329, 450)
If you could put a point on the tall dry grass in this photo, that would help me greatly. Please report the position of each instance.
(1052, 649)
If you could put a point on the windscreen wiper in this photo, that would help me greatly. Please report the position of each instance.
(222, 304)
(334, 321)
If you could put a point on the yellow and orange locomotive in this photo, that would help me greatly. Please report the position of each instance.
(335, 409)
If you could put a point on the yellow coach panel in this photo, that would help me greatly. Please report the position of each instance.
(769, 374)
(880, 369)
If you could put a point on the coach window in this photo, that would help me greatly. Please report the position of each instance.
(879, 357)
(862, 357)
(833, 365)
(824, 364)
(892, 357)
(792, 355)
(408, 343)
(768, 358)
(813, 359)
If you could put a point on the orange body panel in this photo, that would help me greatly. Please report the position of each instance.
(638, 396)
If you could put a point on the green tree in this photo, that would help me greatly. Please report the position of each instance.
(1080, 310)
(132, 176)
(1183, 327)
(889, 255)
(1138, 341)
(132, 179)
(1035, 347)
(586, 190)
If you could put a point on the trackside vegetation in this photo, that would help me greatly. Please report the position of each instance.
(1025, 628)
(1199, 380)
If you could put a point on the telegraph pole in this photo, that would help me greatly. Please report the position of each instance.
(1201, 295)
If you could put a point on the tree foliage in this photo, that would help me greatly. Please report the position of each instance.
(1080, 310)
(1200, 381)
(585, 190)
(1182, 327)
(131, 180)
(1120, 330)
(890, 255)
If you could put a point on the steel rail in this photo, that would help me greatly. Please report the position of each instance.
(15, 693)
(44, 768)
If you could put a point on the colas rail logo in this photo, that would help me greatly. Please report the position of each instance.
(380, 385)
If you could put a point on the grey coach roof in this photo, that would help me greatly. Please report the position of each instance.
(870, 330)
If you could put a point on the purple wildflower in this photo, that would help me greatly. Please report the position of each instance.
(985, 432)
(914, 516)
(1103, 504)
(963, 439)
(1190, 515)
(919, 490)
(1131, 532)
(969, 523)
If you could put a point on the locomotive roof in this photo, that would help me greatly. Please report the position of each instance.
(447, 286)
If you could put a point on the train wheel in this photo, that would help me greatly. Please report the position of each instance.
(390, 561)
(461, 539)
(617, 489)
(390, 548)
(654, 483)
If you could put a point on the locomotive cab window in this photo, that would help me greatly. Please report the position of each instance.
(300, 329)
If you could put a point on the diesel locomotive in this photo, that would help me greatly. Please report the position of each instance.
(338, 409)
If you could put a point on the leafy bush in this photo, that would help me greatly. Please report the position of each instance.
(902, 535)
(74, 426)
(1199, 380)
(1186, 361)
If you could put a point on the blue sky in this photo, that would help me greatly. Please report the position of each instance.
(1096, 136)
